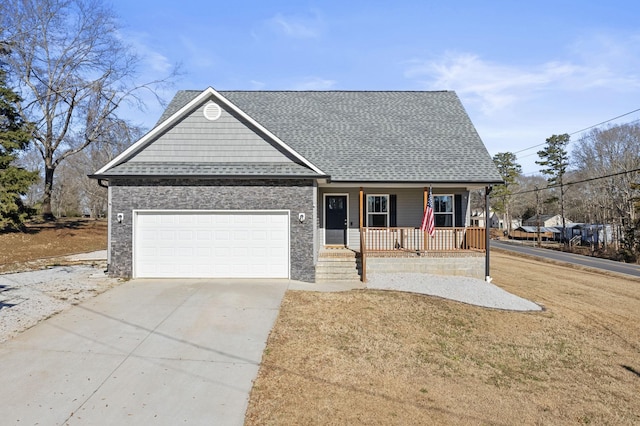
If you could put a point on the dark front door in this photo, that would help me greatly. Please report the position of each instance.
(335, 213)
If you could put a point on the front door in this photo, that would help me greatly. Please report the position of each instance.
(335, 213)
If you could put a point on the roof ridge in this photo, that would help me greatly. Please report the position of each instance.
(320, 91)
(338, 91)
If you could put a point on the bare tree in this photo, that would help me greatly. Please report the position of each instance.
(66, 198)
(611, 157)
(90, 198)
(73, 72)
(524, 204)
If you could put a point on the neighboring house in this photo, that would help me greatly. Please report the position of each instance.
(547, 220)
(259, 184)
(590, 234)
(477, 219)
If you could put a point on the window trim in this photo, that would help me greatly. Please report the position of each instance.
(387, 214)
(452, 213)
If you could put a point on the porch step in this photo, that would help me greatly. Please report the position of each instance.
(337, 265)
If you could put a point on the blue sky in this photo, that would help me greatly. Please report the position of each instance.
(523, 70)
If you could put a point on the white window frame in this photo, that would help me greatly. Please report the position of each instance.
(386, 214)
(451, 213)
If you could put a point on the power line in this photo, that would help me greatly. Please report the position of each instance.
(578, 181)
(582, 130)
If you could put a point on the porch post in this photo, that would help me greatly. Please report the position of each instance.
(487, 230)
(363, 256)
(425, 198)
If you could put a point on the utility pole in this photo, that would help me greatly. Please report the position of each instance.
(538, 215)
(487, 233)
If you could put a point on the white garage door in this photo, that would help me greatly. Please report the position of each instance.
(187, 244)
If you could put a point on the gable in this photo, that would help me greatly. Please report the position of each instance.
(224, 137)
(404, 137)
(206, 136)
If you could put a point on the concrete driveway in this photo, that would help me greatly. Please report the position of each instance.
(146, 352)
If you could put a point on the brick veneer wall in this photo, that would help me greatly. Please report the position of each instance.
(188, 194)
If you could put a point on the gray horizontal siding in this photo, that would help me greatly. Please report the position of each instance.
(409, 207)
(195, 139)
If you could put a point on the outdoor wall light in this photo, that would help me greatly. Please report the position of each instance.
(120, 217)
(301, 217)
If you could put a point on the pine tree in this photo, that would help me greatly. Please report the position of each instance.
(15, 135)
(555, 160)
(502, 194)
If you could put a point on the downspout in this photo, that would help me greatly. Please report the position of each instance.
(363, 239)
(487, 225)
(316, 222)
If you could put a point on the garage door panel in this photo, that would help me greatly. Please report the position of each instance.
(212, 244)
(204, 235)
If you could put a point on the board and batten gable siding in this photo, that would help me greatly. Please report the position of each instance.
(196, 139)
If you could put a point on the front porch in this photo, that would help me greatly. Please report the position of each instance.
(456, 251)
(378, 225)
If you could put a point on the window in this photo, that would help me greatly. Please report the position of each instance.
(378, 211)
(443, 210)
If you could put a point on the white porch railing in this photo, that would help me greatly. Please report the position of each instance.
(412, 240)
(376, 240)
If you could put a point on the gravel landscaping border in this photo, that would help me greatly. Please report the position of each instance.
(463, 289)
(26, 298)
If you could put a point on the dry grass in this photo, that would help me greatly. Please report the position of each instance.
(370, 357)
(26, 250)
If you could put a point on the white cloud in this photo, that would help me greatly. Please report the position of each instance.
(150, 58)
(515, 107)
(494, 87)
(297, 26)
(314, 83)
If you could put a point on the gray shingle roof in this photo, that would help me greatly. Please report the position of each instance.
(371, 136)
(216, 170)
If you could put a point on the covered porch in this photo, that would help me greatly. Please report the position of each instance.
(383, 223)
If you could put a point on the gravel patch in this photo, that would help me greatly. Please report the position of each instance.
(26, 298)
(463, 289)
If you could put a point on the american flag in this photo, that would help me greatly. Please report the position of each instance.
(428, 222)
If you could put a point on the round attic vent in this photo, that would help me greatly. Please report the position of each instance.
(212, 111)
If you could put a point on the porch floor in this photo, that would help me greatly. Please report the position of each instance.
(337, 251)
(425, 254)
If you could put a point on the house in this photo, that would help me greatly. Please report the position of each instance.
(275, 184)
(477, 219)
(546, 220)
(590, 234)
